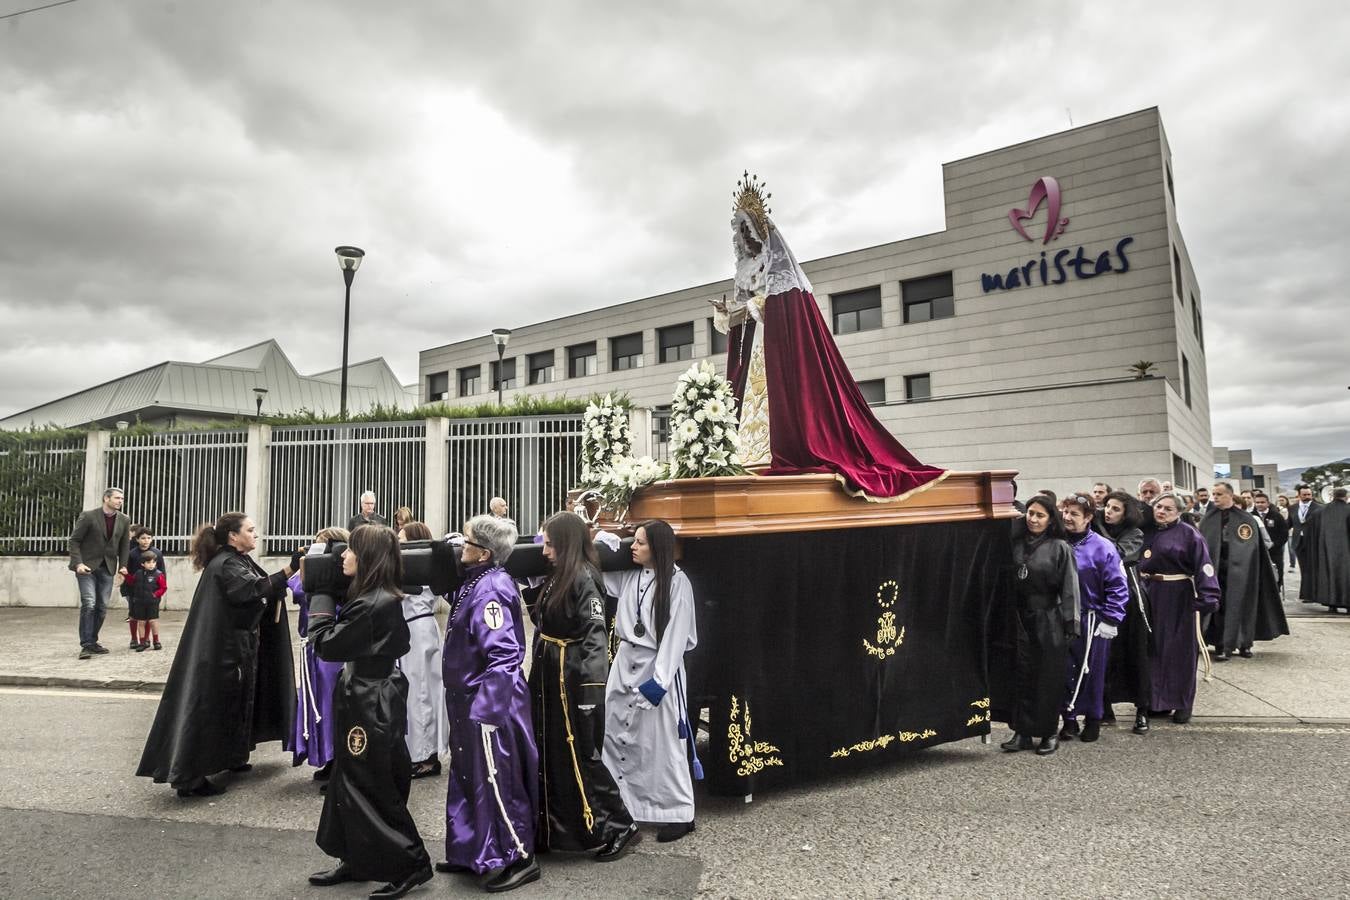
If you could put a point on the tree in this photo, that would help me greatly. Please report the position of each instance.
(1319, 477)
(1142, 369)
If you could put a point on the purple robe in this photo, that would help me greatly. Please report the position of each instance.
(492, 795)
(314, 693)
(1103, 595)
(1176, 550)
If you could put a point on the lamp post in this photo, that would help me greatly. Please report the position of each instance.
(500, 336)
(258, 394)
(349, 258)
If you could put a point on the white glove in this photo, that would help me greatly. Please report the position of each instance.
(609, 539)
(487, 729)
(1106, 630)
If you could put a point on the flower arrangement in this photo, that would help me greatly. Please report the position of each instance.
(704, 434)
(605, 440)
(622, 479)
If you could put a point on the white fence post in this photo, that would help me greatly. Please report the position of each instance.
(435, 489)
(95, 468)
(640, 426)
(255, 476)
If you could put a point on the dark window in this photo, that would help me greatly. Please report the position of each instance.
(438, 387)
(504, 374)
(925, 299)
(661, 432)
(717, 341)
(1180, 471)
(541, 367)
(856, 310)
(470, 380)
(1186, 378)
(918, 387)
(873, 391)
(676, 342)
(1197, 324)
(625, 352)
(1176, 273)
(581, 360)
(1170, 190)
(1259, 482)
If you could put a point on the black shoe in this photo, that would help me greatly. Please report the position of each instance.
(134, 644)
(449, 868)
(1070, 730)
(204, 788)
(98, 648)
(141, 648)
(519, 873)
(1219, 656)
(1017, 742)
(1245, 653)
(1109, 718)
(1092, 729)
(1181, 716)
(86, 653)
(620, 844)
(324, 772)
(339, 874)
(158, 645)
(1048, 745)
(392, 891)
(673, 832)
(1140, 723)
(426, 768)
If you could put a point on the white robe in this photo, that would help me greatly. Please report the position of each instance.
(428, 728)
(643, 748)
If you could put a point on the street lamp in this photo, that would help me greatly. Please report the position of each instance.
(500, 336)
(349, 258)
(258, 394)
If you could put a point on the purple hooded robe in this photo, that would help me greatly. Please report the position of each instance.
(1177, 549)
(314, 693)
(1103, 594)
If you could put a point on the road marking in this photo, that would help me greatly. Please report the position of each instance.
(85, 693)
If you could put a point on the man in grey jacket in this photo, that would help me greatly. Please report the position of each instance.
(99, 547)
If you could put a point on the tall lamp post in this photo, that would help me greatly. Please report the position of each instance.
(500, 336)
(258, 394)
(349, 258)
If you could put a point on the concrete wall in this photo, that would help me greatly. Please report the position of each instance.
(47, 581)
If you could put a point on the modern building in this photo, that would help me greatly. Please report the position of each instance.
(1236, 468)
(226, 387)
(1004, 340)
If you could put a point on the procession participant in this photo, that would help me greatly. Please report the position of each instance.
(492, 794)
(1278, 529)
(428, 732)
(1149, 489)
(1327, 534)
(313, 739)
(1100, 491)
(1046, 585)
(649, 742)
(1249, 608)
(365, 821)
(232, 683)
(1298, 517)
(1181, 584)
(1103, 597)
(1128, 668)
(581, 808)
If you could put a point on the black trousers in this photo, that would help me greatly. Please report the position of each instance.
(1042, 659)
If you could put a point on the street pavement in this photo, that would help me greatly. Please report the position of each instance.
(1250, 798)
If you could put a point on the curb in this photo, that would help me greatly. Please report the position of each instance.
(85, 684)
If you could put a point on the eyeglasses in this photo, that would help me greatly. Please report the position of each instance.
(476, 544)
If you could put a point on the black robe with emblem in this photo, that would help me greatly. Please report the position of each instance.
(1127, 673)
(365, 821)
(580, 807)
(1250, 608)
(1326, 578)
(232, 683)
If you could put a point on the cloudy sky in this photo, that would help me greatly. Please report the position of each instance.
(174, 176)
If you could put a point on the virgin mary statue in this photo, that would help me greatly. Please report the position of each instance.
(800, 409)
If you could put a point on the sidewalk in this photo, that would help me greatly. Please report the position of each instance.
(1300, 678)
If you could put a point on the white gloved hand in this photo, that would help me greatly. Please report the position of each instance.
(487, 729)
(1106, 630)
(609, 539)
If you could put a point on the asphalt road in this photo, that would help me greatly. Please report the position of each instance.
(1206, 809)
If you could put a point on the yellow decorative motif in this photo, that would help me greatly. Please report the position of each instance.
(748, 755)
(888, 638)
(982, 703)
(882, 742)
(754, 431)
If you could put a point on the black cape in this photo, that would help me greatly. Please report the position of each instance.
(1127, 672)
(1250, 608)
(1326, 579)
(365, 820)
(232, 684)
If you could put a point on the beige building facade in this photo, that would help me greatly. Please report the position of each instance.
(1004, 341)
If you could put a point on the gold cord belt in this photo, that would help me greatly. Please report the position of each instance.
(567, 722)
(552, 640)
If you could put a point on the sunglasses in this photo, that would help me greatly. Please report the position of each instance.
(476, 544)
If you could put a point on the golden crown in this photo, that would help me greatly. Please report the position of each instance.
(751, 198)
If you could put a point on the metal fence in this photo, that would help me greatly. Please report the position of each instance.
(43, 491)
(531, 461)
(174, 481)
(318, 473)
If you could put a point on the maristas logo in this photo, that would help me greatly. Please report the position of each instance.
(1054, 270)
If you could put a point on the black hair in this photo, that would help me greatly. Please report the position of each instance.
(1055, 527)
(661, 540)
(1133, 518)
(378, 562)
(209, 538)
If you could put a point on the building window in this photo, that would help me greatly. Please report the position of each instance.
(925, 299)
(625, 352)
(1259, 482)
(918, 387)
(581, 360)
(1186, 378)
(504, 374)
(1179, 473)
(1171, 191)
(1176, 273)
(470, 380)
(660, 433)
(676, 342)
(438, 387)
(541, 367)
(873, 391)
(717, 341)
(1197, 325)
(857, 310)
